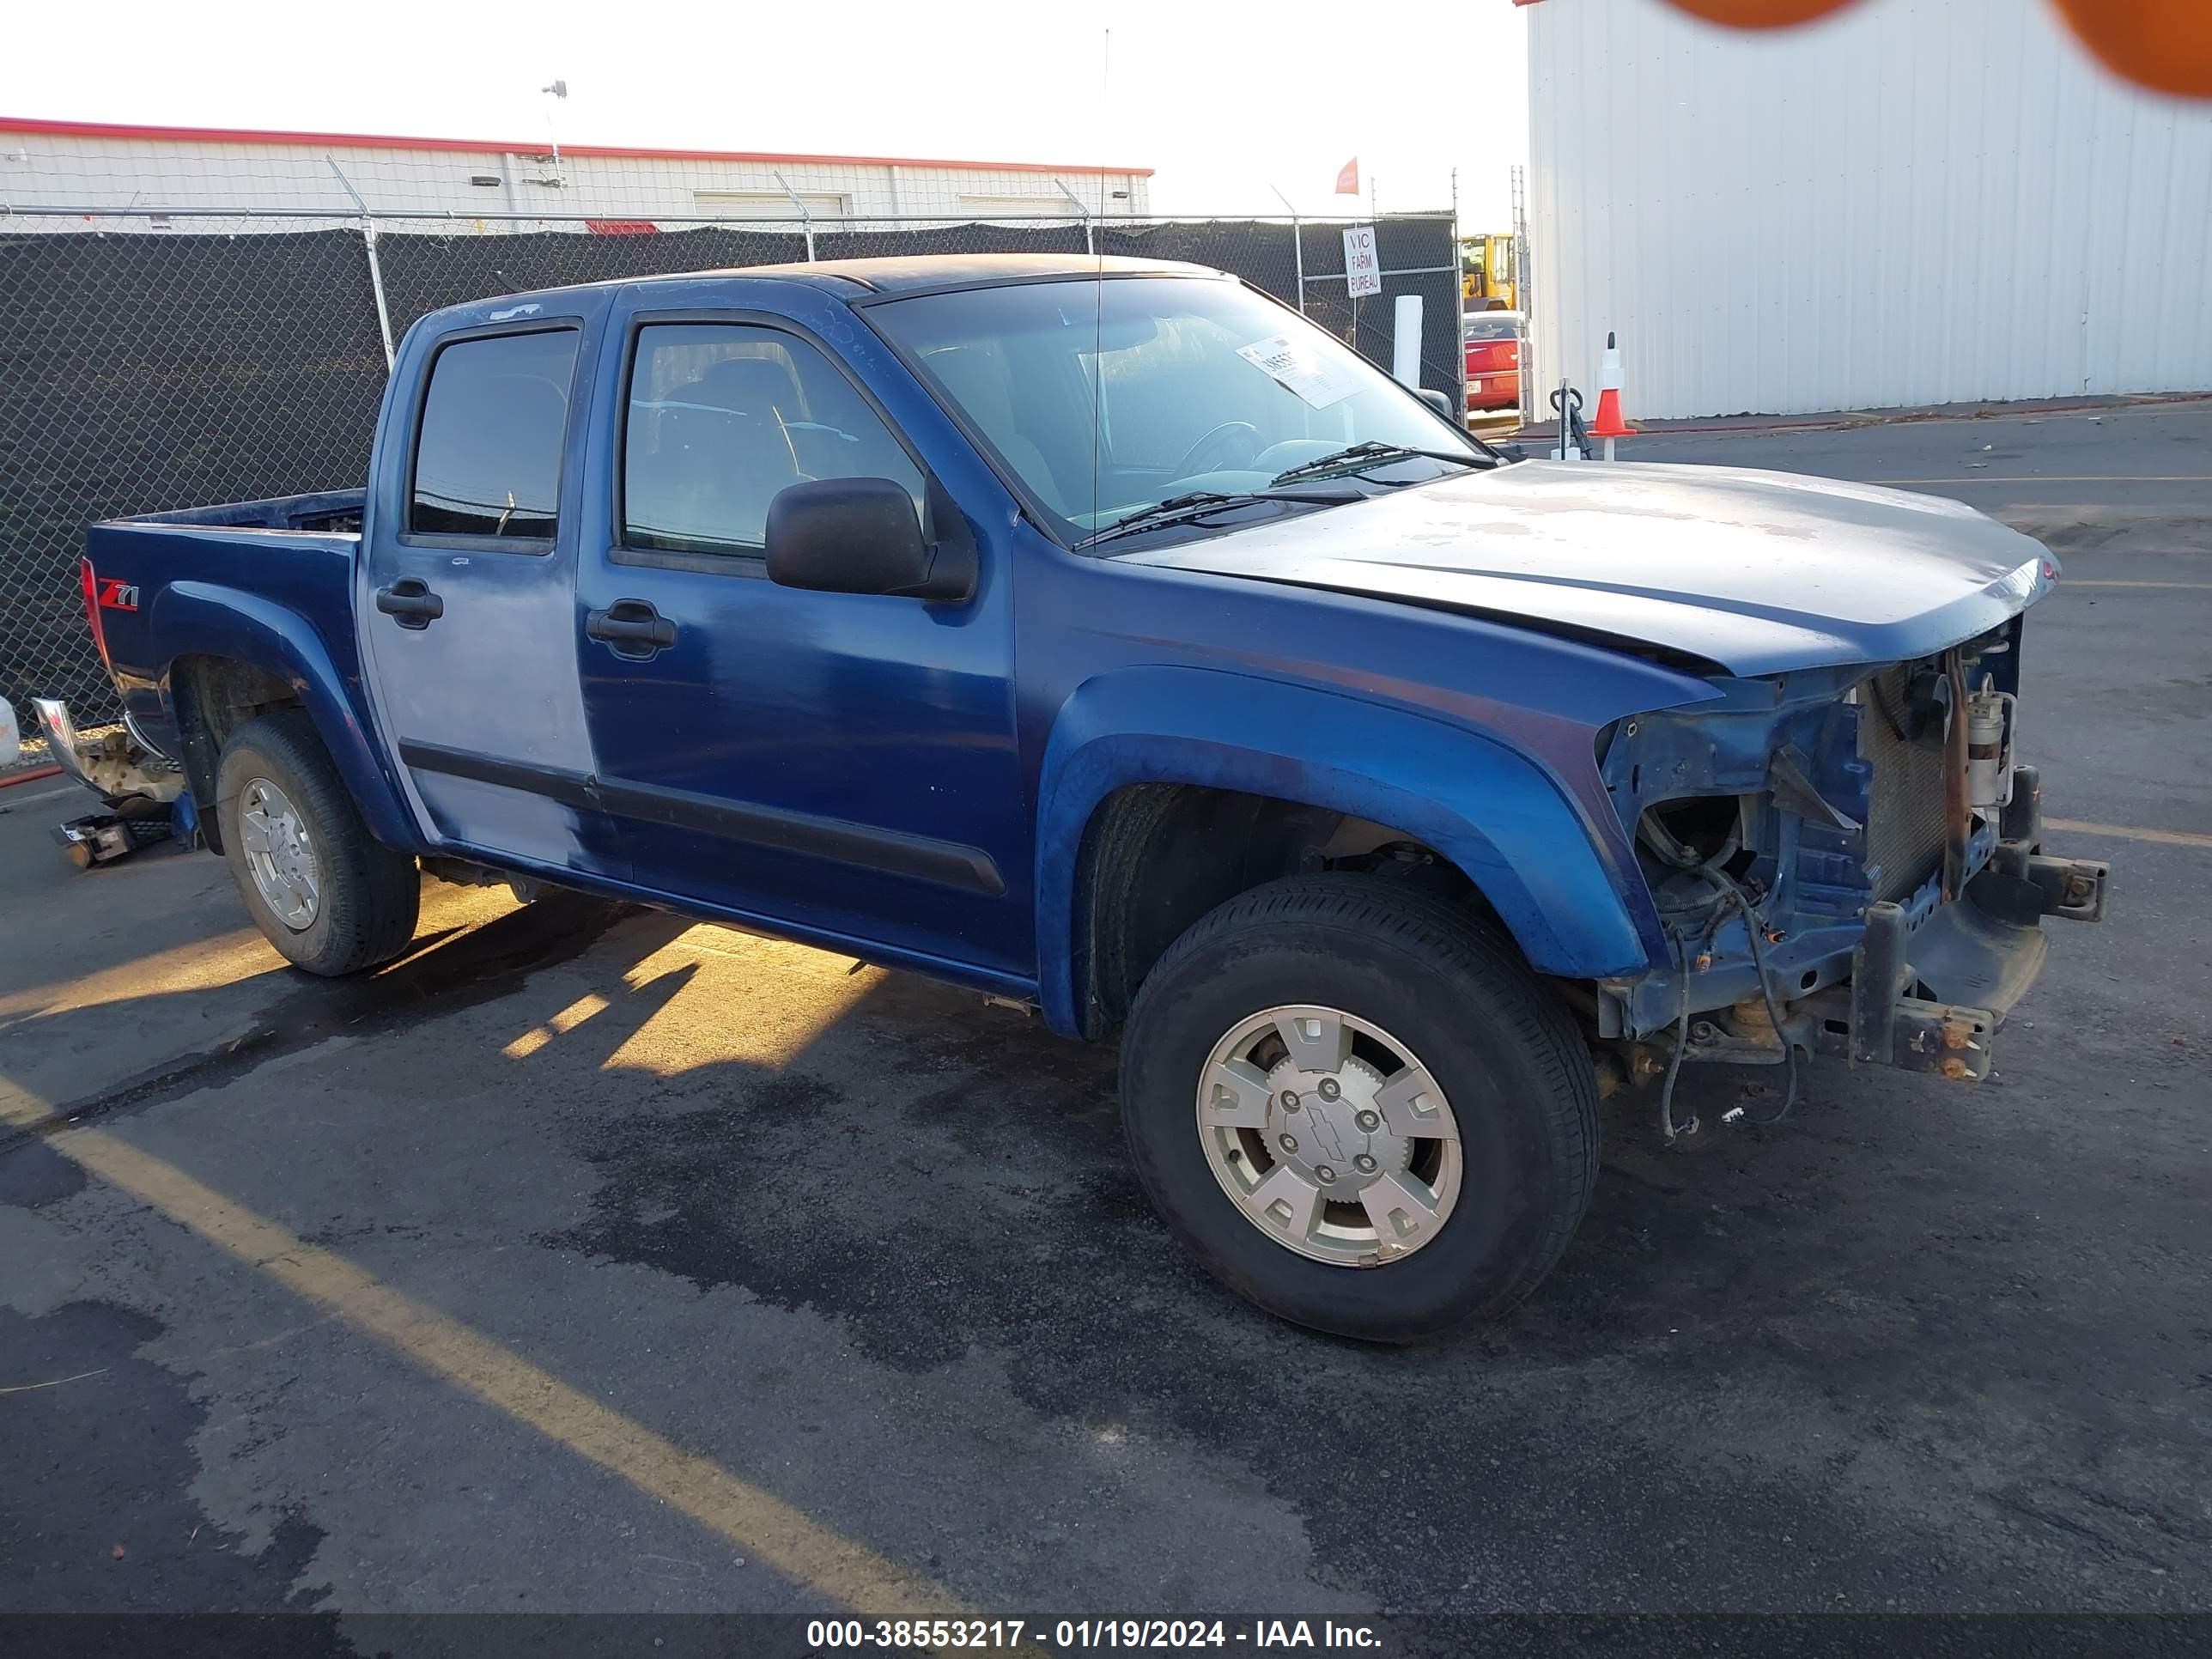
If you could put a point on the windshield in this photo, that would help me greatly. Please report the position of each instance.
(1198, 385)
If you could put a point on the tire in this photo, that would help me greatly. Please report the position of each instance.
(365, 895)
(1444, 992)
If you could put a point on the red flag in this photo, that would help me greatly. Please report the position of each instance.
(1347, 178)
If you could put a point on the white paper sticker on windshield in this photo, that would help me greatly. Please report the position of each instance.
(1301, 368)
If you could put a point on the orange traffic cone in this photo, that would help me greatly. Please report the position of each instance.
(1610, 425)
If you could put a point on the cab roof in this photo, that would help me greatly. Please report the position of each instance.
(912, 273)
(855, 280)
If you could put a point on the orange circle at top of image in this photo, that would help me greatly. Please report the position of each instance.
(1760, 14)
(2164, 45)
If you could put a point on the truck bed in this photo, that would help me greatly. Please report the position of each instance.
(325, 510)
(268, 584)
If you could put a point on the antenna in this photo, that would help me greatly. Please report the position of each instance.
(1298, 248)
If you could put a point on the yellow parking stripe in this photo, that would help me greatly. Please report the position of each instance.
(760, 1524)
(2165, 837)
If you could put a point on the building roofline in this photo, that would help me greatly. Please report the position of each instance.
(382, 140)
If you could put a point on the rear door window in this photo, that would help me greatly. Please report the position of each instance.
(488, 455)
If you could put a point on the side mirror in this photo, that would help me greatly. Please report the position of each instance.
(1439, 401)
(857, 536)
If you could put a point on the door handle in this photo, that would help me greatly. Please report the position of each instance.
(410, 600)
(637, 632)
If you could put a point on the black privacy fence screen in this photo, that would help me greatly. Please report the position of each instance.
(150, 362)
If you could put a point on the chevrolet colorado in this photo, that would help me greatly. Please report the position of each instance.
(1102, 637)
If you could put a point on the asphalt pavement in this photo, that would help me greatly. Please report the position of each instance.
(592, 1260)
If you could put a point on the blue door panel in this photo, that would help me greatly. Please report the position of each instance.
(860, 751)
(845, 763)
(479, 702)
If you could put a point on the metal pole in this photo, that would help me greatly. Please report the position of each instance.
(1297, 249)
(1090, 248)
(1105, 110)
(559, 90)
(1459, 312)
(375, 266)
(806, 219)
(1524, 296)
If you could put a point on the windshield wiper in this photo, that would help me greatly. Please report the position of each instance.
(1182, 509)
(1358, 457)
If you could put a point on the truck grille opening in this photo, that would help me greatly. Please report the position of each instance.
(1905, 817)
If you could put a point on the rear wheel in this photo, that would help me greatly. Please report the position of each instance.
(327, 894)
(1360, 1108)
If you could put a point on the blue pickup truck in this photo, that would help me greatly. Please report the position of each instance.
(1102, 637)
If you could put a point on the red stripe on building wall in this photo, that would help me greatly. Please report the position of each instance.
(382, 140)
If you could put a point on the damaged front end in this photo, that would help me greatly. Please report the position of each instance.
(1846, 861)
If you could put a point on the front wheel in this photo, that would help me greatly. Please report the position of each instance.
(1360, 1108)
(328, 894)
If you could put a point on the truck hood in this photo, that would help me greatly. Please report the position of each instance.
(1757, 572)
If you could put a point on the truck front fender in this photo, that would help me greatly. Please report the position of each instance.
(204, 619)
(1499, 817)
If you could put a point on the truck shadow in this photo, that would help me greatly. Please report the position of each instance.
(449, 968)
(949, 1175)
(946, 1182)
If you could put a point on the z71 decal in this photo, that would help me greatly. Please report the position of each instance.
(117, 595)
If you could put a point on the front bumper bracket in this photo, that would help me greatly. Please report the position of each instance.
(1931, 1000)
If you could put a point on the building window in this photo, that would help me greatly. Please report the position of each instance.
(770, 203)
(1051, 204)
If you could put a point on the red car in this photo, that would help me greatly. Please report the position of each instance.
(1493, 359)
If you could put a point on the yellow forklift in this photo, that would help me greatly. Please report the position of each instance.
(1488, 279)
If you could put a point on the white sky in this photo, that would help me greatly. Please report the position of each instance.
(1221, 101)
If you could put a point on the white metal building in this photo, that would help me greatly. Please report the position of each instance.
(78, 164)
(1914, 202)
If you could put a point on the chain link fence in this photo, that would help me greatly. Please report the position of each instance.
(150, 361)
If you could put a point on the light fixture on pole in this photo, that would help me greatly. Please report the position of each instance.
(559, 91)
